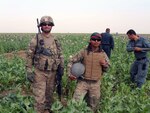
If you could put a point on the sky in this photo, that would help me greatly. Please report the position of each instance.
(76, 16)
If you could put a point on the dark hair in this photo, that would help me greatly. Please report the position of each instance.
(130, 32)
(89, 48)
(107, 30)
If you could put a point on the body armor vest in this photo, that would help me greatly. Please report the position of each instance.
(46, 57)
(93, 69)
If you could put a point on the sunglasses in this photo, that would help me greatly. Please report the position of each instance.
(45, 24)
(94, 39)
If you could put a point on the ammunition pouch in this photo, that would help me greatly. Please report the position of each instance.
(45, 64)
(55, 65)
(44, 61)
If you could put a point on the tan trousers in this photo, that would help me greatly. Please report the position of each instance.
(43, 88)
(92, 88)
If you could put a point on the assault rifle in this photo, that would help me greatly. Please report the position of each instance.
(37, 41)
(38, 25)
(59, 75)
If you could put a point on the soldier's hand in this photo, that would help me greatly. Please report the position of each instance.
(103, 62)
(137, 49)
(72, 77)
(30, 76)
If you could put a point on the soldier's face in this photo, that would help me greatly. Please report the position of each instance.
(95, 42)
(46, 27)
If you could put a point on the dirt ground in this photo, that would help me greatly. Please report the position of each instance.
(21, 54)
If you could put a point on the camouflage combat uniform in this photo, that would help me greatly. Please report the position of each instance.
(90, 84)
(44, 69)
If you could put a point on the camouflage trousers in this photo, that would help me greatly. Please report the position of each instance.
(43, 88)
(88, 88)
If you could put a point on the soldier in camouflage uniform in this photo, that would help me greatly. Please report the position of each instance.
(96, 62)
(45, 54)
(139, 68)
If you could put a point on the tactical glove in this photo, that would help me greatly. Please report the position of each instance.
(30, 76)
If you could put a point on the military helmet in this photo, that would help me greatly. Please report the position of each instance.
(46, 19)
(77, 69)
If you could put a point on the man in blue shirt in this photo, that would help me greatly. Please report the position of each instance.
(107, 42)
(139, 68)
